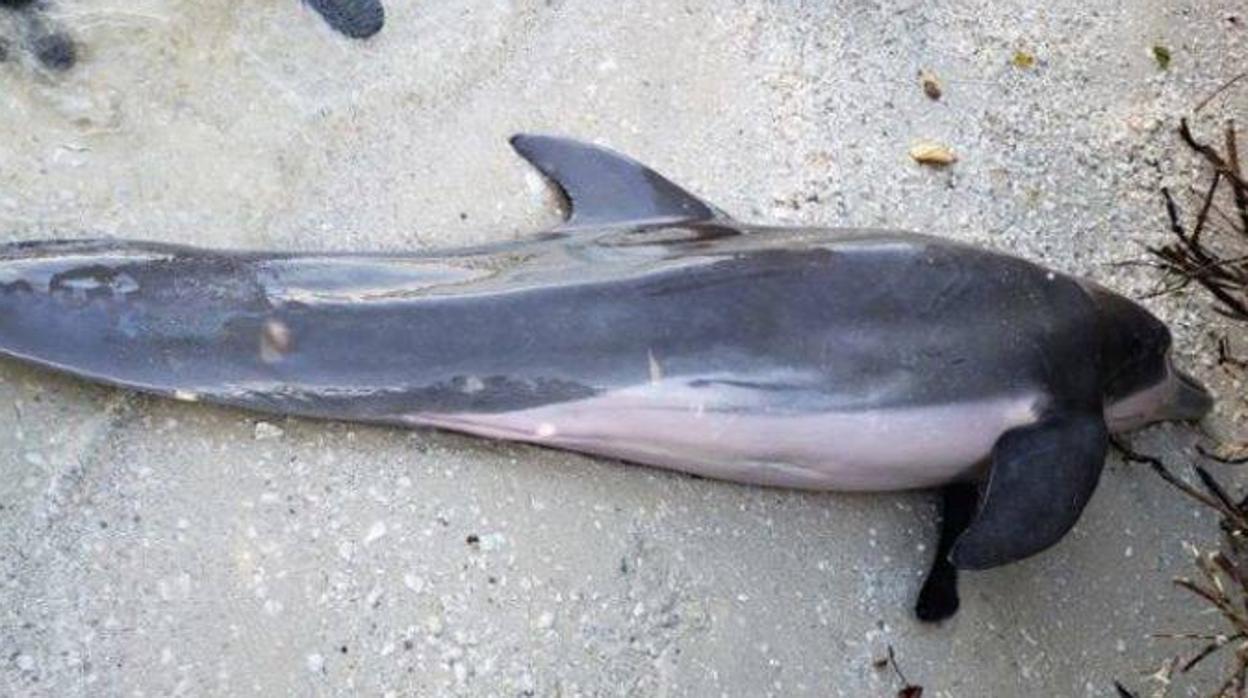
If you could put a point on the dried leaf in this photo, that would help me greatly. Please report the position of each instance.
(1161, 54)
(932, 153)
(1023, 60)
(1231, 451)
(930, 83)
(908, 689)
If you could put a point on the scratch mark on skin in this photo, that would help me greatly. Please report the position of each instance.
(275, 341)
(656, 371)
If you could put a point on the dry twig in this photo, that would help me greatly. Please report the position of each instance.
(1218, 265)
(1223, 582)
(1216, 259)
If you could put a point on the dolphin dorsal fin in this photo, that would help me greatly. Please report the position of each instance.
(605, 188)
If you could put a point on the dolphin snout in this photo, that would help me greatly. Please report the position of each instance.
(1191, 401)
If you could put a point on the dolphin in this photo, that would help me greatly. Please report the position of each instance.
(653, 328)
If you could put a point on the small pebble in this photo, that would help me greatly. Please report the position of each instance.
(930, 84)
(266, 431)
(377, 531)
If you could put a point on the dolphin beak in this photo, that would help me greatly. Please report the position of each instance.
(1190, 401)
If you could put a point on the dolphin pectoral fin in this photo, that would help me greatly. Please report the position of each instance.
(938, 599)
(604, 188)
(1041, 477)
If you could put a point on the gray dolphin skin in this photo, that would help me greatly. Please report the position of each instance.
(652, 328)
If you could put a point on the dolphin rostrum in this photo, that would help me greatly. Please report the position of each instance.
(653, 328)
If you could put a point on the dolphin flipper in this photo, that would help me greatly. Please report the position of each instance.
(1042, 475)
(605, 188)
(938, 599)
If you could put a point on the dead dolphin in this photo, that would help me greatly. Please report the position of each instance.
(653, 328)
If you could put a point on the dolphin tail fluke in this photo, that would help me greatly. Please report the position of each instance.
(356, 19)
(604, 188)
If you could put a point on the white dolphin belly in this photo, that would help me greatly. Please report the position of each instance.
(734, 434)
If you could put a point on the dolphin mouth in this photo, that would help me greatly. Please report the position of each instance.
(1191, 400)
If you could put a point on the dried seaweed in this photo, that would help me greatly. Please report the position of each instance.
(907, 690)
(1222, 583)
(1212, 253)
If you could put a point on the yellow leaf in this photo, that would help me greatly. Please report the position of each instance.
(932, 153)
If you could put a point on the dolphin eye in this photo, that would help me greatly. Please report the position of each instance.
(1141, 347)
(1136, 348)
(1155, 345)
